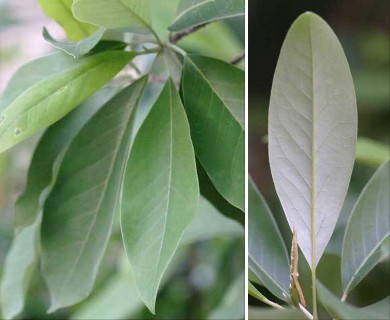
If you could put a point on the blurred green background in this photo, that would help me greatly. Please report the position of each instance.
(363, 29)
(203, 271)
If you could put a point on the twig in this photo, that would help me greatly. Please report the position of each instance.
(175, 37)
(239, 58)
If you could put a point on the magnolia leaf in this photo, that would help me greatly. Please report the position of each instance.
(341, 310)
(267, 253)
(366, 239)
(78, 49)
(219, 148)
(19, 265)
(312, 131)
(275, 314)
(61, 12)
(232, 305)
(53, 97)
(79, 213)
(160, 192)
(193, 13)
(132, 14)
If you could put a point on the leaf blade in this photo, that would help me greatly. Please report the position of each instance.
(219, 149)
(164, 151)
(79, 213)
(311, 139)
(194, 13)
(366, 238)
(28, 114)
(267, 253)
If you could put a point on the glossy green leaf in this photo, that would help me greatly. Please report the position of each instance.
(61, 12)
(196, 12)
(217, 122)
(78, 49)
(217, 224)
(267, 253)
(49, 154)
(232, 305)
(275, 314)
(79, 213)
(366, 239)
(52, 98)
(312, 131)
(133, 14)
(371, 152)
(341, 310)
(19, 265)
(160, 192)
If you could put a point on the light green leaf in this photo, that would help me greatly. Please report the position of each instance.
(229, 46)
(61, 12)
(78, 49)
(133, 14)
(19, 265)
(341, 310)
(232, 305)
(52, 98)
(217, 224)
(312, 131)
(116, 300)
(366, 239)
(160, 192)
(48, 157)
(267, 253)
(275, 314)
(79, 213)
(196, 12)
(217, 122)
(371, 152)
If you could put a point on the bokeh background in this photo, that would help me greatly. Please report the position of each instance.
(202, 273)
(363, 29)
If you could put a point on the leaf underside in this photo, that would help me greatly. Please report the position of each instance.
(312, 131)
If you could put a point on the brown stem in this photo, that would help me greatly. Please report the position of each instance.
(239, 58)
(175, 37)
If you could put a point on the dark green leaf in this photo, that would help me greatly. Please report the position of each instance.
(267, 253)
(79, 213)
(160, 192)
(196, 12)
(217, 122)
(371, 152)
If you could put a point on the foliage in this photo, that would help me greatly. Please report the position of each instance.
(312, 140)
(120, 123)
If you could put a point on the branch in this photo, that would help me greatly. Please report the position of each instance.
(239, 58)
(173, 38)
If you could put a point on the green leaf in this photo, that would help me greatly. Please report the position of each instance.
(19, 265)
(381, 307)
(78, 49)
(312, 131)
(79, 213)
(341, 310)
(160, 192)
(366, 239)
(133, 14)
(52, 98)
(274, 314)
(371, 152)
(49, 154)
(232, 305)
(61, 12)
(217, 122)
(217, 224)
(196, 12)
(267, 253)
